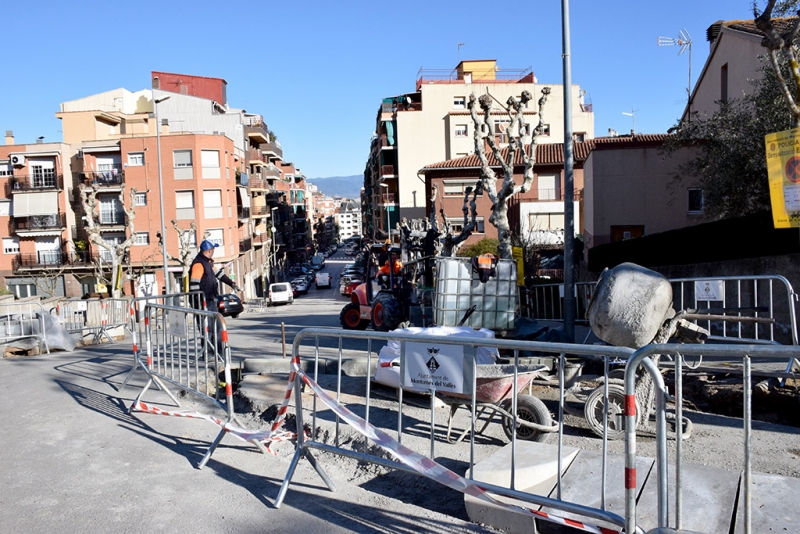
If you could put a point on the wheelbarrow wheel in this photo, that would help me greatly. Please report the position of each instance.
(593, 410)
(531, 410)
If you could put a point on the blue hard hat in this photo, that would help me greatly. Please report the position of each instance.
(208, 245)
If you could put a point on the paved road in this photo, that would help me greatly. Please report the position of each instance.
(75, 461)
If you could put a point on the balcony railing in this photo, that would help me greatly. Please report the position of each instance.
(110, 178)
(387, 170)
(254, 154)
(259, 211)
(52, 258)
(271, 171)
(34, 182)
(115, 218)
(243, 212)
(261, 238)
(272, 149)
(245, 244)
(55, 221)
(257, 183)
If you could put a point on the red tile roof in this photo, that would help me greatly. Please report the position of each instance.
(549, 154)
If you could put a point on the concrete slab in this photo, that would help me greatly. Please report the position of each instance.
(536, 472)
(709, 499)
(774, 504)
(582, 484)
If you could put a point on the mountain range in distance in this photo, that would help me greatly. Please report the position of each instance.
(343, 186)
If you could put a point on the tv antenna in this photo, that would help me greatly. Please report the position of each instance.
(684, 40)
(632, 115)
(459, 50)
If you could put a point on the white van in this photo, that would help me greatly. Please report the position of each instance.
(323, 280)
(280, 293)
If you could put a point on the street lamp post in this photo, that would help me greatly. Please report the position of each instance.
(388, 222)
(161, 194)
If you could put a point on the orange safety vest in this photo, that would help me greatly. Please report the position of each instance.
(485, 266)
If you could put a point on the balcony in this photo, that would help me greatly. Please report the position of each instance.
(37, 223)
(272, 150)
(255, 157)
(259, 184)
(52, 258)
(259, 211)
(243, 212)
(34, 182)
(104, 179)
(261, 238)
(111, 218)
(271, 172)
(387, 170)
(245, 244)
(256, 129)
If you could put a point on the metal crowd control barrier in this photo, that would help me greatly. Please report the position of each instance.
(93, 317)
(136, 315)
(414, 461)
(747, 353)
(23, 320)
(176, 355)
(546, 301)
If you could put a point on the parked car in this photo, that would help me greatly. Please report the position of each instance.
(294, 289)
(298, 270)
(230, 305)
(280, 293)
(323, 280)
(302, 285)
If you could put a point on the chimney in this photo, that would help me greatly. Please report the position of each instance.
(9, 137)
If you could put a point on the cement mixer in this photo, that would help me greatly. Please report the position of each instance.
(632, 307)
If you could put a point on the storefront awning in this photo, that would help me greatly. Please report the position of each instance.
(27, 204)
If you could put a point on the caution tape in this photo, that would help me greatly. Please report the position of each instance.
(265, 436)
(424, 465)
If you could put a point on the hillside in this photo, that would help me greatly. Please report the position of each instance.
(345, 186)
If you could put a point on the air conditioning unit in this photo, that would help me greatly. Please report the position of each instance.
(18, 160)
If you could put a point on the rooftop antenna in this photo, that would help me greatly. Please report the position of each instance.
(684, 40)
(632, 115)
(459, 50)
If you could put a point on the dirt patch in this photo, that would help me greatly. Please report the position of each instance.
(723, 395)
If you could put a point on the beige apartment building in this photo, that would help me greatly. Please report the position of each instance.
(433, 124)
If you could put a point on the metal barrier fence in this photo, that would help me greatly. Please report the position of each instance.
(188, 349)
(93, 317)
(414, 461)
(546, 301)
(23, 320)
(137, 325)
(641, 357)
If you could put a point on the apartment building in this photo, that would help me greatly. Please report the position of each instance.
(216, 168)
(348, 219)
(433, 124)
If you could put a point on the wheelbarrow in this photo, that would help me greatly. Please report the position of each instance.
(494, 388)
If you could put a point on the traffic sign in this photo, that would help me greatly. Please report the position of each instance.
(783, 167)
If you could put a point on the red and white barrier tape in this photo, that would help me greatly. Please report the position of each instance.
(424, 465)
(267, 437)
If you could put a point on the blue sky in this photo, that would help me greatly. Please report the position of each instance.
(317, 70)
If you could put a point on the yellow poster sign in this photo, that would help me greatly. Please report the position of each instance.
(516, 253)
(783, 166)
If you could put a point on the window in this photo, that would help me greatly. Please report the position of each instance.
(215, 236)
(459, 102)
(111, 211)
(212, 203)
(140, 200)
(6, 169)
(546, 221)
(182, 158)
(695, 201)
(184, 205)
(135, 159)
(183, 165)
(458, 187)
(579, 137)
(141, 238)
(457, 225)
(10, 245)
(5, 208)
(545, 130)
(547, 186)
(461, 130)
(723, 83)
(209, 160)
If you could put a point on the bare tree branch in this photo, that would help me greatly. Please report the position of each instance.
(782, 44)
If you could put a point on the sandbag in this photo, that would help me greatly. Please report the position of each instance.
(629, 305)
